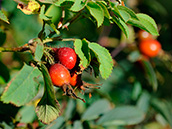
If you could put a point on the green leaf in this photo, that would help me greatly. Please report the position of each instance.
(54, 28)
(146, 23)
(134, 56)
(55, 13)
(130, 12)
(137, 89)
(104, 58)
(144, 102)
(42, 15)
(48, 107)
(106, 12)
(115, 10)
(96, 109)
(71, 106)
(96, 11)
(78, 5)
(39, 51)
(22, 1)
(26, 114)
(164, 108)
(60, 2)
(77, 125)
(23, 88)
(48, 1)
(124, 15)
(124, 115)
(56, 124)
(82, 50)
(150, 74)
(122, 25)
(2, 36)
(4, 72)
(4, 17)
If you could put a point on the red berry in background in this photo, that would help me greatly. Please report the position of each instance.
(150, 48)
(66, 56)
(144, 35)
(59, 74)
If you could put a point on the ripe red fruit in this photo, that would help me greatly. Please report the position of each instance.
(144, 35)
(66, 56)
(75, 79)
(150, 48)
(59, 74)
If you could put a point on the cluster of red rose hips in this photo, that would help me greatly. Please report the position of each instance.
(148, 46)
(65, 72)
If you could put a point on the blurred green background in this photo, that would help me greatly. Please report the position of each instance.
(129, 88)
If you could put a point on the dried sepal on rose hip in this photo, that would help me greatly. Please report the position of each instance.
(60, 77)
(78, 83)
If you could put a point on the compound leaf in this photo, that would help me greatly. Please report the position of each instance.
(23, 88)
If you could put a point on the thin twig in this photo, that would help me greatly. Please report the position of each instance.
(118, 49)
(16, 49)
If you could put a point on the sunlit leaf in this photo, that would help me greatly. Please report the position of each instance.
(4, 17)
(130, 12)
(104, 58)
(82, 50)
(78, 5)
(145, 22)
(31, 8)
(96, 11)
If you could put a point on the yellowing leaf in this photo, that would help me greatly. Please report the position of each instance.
(32, 7)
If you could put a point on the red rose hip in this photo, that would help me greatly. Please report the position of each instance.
(59, 75)
(66, 56)
(75, 79)
(150, 48)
